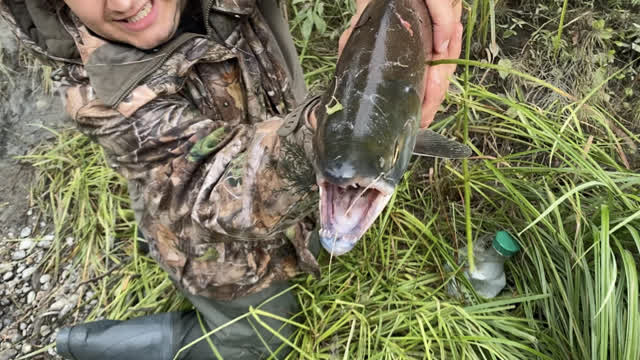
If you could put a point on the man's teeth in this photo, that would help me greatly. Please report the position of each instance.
(146, 9)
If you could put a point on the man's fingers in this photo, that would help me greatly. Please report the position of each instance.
(445, 15)
(437, 84)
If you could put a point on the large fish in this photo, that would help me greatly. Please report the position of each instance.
(368, 122)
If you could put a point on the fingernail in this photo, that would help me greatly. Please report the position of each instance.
(444, 46)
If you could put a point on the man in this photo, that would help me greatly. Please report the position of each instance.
(187, 97)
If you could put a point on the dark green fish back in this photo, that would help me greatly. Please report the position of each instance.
(368, 118)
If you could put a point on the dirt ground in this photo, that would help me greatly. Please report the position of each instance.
(24, 113)
(24, 236)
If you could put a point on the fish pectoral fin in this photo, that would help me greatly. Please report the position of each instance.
(430, 143)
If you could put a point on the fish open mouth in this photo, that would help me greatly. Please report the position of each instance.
(348, 210)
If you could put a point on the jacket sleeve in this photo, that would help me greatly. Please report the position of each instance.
(213, 194)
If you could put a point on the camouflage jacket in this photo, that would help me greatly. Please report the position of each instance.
(223, 200)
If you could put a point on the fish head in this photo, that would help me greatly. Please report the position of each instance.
(362, 151)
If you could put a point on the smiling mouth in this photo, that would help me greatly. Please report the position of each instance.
(142, 13)
(348, 210)
(142, 19)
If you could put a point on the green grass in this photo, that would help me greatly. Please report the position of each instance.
(555, 137)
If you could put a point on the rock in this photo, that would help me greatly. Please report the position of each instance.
(6, 267)
(8, 354)
(44, 244)
(49, 237)
(29, 212)
(28, 272)
(7, 276)
(13, 336)
(69, 240)
(22, 326)
(45, 278)
(65, 310)
(45, 330)
(18, 255)
(31, 297)
(25, 232)
(26, 244)
(58, 305)
(26, 348)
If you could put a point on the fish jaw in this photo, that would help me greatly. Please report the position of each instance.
(348, 209)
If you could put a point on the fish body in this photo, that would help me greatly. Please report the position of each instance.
(369, 118)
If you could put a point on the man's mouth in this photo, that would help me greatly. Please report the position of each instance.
(348, 210)
(142, 13)
(142, 19)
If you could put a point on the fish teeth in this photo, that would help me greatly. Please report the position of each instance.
(146, 9)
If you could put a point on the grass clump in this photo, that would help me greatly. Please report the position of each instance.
(554, 127)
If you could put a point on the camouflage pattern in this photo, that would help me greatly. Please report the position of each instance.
(225, 202)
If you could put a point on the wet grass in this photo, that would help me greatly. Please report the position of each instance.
(552, 117)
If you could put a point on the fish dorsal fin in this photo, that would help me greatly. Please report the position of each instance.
(430, 143)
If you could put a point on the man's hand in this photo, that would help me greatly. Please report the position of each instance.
(447, 44)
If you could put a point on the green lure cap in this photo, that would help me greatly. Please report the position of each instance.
(505, 244)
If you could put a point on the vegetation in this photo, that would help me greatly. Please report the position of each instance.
(547, 92)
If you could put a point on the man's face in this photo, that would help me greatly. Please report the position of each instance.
(144, 24)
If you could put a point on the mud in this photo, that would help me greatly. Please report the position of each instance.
(25, 113)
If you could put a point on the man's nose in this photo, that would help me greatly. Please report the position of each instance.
(120, 6)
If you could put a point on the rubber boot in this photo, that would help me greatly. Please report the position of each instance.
(150, 337)
(162, 336)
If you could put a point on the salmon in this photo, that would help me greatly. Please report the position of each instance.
(368, 121)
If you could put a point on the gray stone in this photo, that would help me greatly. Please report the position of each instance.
(49, 237)
(7, 276)
(23, 326)
(69, 240)
(25, 232)
(5, 267)
(26, 348)
(31, 297)
(45, 278)
(58, 305)
(28, 272)
(8, 354)
(45, 330)
(26, 244)
(18, 255)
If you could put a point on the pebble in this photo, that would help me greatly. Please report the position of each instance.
(6, 267)
(45, 330)
(45, 278)
(49, 237)
(23, 326)
(69, 240)
(7, 276)
(8, 354)
(31, 297)
(29, 212)
(18, 255)
(11, 235)
(44, 244)
(28, 272)
(26, 348)
(26, 244)
(25, 232)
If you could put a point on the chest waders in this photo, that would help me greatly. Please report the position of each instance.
(162, 336)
